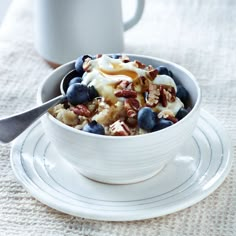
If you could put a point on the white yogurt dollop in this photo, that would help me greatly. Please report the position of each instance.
(165, 80)
(105, 73)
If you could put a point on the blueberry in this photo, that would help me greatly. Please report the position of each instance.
(161, 124)
(79, 64)
(93, 93)
(147, 119)
(115, 56)
(182, 94)
(77, 94)
(75, 80)
(181, 113)
(162, 70)
(94, 127)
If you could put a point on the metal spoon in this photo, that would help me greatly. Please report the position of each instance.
(13, 126)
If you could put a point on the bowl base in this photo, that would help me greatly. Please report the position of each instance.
(108, 180)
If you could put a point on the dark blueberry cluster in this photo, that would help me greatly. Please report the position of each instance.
(78, 93)
(162, 70)
(149, 121)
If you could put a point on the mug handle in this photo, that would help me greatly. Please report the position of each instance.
(137, 16)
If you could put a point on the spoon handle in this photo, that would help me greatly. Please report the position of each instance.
(12, 126)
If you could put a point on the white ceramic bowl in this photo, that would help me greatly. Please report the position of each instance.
(120, 160)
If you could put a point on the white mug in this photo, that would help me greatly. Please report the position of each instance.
(66, 29)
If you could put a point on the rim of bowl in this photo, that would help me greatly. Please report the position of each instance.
(172, 127)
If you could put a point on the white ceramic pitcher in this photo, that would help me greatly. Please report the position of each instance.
(66, 29)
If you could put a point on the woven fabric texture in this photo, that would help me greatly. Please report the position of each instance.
(199, 35)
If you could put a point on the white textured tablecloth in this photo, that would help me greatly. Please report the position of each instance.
(199, 35)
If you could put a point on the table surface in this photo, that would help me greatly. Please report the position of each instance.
(199, 35)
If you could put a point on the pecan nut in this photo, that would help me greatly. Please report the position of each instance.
(152, 74)
(126, 93)
(119, 128)
(133, 103)
(153, 95)
(125, 59)
(124, 84)
(81, 110)
(167, 94)
(131, 106)
(139, 64)
(163, 97)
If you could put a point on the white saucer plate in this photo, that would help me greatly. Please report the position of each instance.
(198, 170)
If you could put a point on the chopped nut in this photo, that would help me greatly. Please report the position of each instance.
(163, 98)
(153, 96)
(124, 84)
(133, 103)
(131, 106)
(81, 110)
(167, 94)
(131, 113)
(172, 94)
(152, 74)
(139, 64)
(126, 93)
(125, 59)
(149, 67)
(119, 128)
